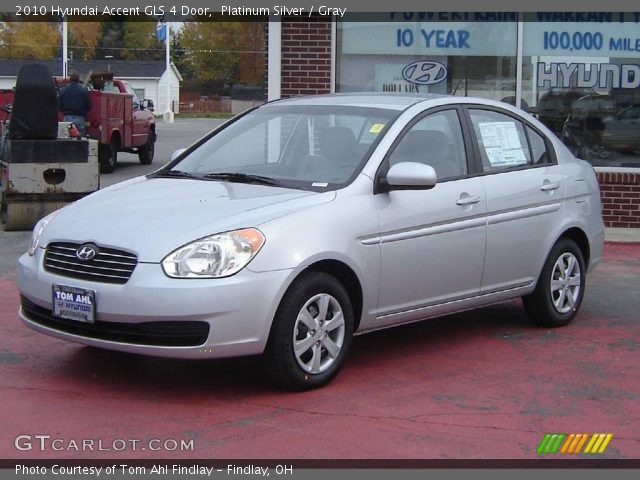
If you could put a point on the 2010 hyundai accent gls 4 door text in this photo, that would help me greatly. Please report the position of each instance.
(305, 221)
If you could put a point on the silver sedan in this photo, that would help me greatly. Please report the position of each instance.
(301, 223)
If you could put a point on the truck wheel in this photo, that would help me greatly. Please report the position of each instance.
(108, 156)
(145, 153)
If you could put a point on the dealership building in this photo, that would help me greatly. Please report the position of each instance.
(579, 73)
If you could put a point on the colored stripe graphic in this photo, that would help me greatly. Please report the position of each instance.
(567, 443)
(581, 442)
(573, 443)
(551, 442)
(598, 442)
(543, 443)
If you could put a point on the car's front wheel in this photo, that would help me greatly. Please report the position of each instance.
(311, 333)
(560, 289)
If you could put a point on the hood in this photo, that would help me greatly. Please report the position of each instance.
(151, 217)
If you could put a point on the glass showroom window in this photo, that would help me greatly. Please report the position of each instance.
(582, 79)
(454, 53)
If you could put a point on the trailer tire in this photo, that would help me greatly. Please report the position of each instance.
(108, 156)
(145, 153)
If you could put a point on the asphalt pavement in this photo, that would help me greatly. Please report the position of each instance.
(171, 136)
(482, 384)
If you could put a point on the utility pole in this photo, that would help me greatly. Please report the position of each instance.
(168, 114)
(64, 47)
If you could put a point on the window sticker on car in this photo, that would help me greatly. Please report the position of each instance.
(502, 144)
(376, 128)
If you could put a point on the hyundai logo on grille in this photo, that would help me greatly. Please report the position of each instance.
(86, 252)
(424, 72)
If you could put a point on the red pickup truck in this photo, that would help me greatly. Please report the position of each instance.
(119, 121)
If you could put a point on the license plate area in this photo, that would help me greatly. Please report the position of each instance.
(72, 303)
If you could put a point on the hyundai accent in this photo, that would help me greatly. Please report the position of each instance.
(303, 222)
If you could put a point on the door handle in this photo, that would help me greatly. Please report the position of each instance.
(468, 200)
(548, 186)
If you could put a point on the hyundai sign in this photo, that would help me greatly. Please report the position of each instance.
(424, 72)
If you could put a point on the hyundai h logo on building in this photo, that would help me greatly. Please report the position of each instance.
(86, 252)
(424, 72)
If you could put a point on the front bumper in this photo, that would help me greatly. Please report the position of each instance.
(238, 310)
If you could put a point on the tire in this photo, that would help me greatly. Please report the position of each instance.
(146, 152)
(558, 296)
(299, 319)
(108, 156)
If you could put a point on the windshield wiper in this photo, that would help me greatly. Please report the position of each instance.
(242, 178)
(176, 174)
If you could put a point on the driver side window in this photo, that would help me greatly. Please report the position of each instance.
(131, 91)
(434, 140)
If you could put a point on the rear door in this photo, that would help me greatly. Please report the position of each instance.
(525, 190)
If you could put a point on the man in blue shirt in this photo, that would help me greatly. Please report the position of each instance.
(75, 102)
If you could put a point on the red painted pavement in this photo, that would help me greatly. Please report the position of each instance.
(483, 384)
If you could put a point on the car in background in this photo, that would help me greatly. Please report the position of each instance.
(306, 221)
(622, 130)
(555, 106)
(583, 128)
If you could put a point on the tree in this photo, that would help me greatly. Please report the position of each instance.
(252, 63)
(140, 42)
(82, 38)
(180, 57)
(32, 40)
(224, 52)
(110, 39)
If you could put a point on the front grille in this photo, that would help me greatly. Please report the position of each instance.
(159, 334)
(108, 266)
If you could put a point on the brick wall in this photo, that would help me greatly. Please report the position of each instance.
(620, 193)
(306, 56)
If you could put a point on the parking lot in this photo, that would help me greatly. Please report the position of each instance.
(482, 384)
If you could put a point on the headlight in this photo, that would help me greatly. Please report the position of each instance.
(216, 256)
(37, 233)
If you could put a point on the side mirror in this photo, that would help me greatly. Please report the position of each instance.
(177, 153)
(411, 176)
(147, 104)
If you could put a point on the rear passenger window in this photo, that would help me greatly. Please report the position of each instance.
(539, 153)
(501, 139)
(434, 140)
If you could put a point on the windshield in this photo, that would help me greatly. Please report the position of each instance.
(296, 146)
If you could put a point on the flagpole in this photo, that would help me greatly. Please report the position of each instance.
(168, 114)
(64, 47)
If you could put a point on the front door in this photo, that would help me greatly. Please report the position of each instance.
(141, 119)
(432, 241)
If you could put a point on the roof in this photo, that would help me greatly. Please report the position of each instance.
(121, 68)
(396, 101)
(391, 101)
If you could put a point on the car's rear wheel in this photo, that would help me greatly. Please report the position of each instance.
(560, 289)
(311, 333)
